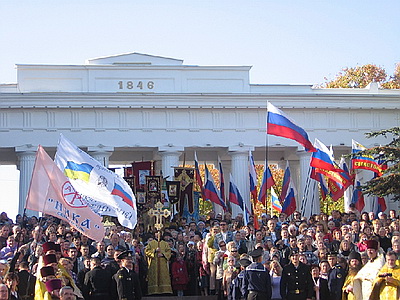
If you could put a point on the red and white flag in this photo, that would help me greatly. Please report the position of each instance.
(51, 192)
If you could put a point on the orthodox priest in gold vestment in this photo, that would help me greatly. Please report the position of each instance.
(354, 266)
(363, 281)
(386, 286)
(158, 254)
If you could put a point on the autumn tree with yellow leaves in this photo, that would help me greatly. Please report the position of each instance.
(361, 76)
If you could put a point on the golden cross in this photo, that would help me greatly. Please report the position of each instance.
(159, 213)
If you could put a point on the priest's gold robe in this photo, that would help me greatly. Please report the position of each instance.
(386, 290)
(362, 283)
(159, 281)
(349, 282)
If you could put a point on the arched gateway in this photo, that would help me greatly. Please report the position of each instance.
(134, 106)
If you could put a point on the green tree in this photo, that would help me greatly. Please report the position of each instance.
(389, 182)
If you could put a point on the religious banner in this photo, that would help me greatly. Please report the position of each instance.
(153, 189)
(140, 170)
(186, 178)
(173, 189)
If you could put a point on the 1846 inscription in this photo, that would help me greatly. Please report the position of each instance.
(135, 85)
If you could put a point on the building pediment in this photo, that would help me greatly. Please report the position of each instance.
(134, 58)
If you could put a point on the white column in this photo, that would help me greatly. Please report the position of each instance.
(101, 154)
(304, 160)
(169, 160)
(26, 161)
(240, 174)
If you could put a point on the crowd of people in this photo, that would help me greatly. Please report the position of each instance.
(323, 257)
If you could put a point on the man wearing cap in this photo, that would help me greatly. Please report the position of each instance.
(296, 282)
(238, 281)
(49, 248)
(362, 284)
(97, 281)
(50, 260)
(288, 250)
(126, 281)
(336, 277)
(53, 287)
(256, 283)
(355, 265)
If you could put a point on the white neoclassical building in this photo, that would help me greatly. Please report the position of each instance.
(133, 106)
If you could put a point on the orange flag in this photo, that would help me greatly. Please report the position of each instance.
(52, 193)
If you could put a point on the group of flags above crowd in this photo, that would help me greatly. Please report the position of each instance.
(78, 189)
(333, 179)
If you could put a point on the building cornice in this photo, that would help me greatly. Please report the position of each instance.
(198, 100)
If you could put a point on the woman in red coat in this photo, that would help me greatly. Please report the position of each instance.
(180, 277)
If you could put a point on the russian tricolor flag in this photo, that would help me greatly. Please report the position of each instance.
(119, 191)
(381, 205)
(289, 205)
(322, 182)
(285, 183)
(267, 182)
(210, 191)
(253, 177)
(234, 195)
(358, 198)
(322, 158)
(279, 124)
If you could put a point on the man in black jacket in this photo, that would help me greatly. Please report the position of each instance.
(256, 284)
(296, 281)
(26, 285)
(126, 281)
(97, 282)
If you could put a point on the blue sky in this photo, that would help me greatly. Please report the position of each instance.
(284, 41)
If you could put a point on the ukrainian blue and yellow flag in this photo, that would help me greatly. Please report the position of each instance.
(78, 171)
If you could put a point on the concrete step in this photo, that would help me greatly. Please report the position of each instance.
(162, 297)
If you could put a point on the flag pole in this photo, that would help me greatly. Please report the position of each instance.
(266, 154)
